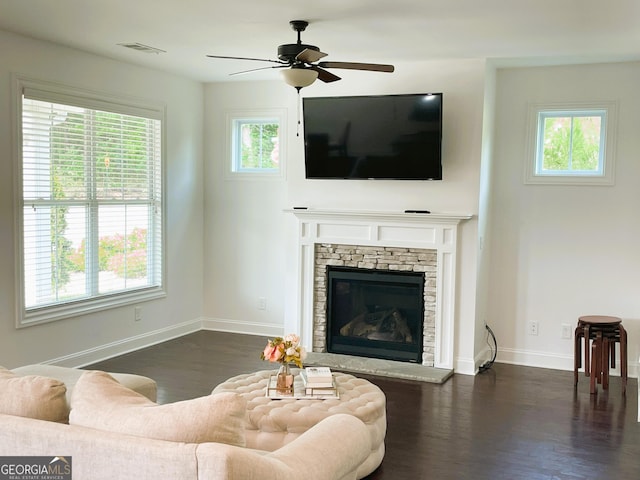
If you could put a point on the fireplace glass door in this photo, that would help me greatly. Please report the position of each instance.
(375, 313)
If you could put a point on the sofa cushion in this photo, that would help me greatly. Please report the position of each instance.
(33, 396)
(69, 376)
(99, 401)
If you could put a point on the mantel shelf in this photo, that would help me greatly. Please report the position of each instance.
(381, 215)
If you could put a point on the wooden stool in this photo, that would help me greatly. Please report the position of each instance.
(604, 332)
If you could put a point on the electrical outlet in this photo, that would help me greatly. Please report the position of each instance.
(137, 314)
(262, 303)
(533, 328)
(566, 330)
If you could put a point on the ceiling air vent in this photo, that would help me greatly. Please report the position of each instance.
(142, 48)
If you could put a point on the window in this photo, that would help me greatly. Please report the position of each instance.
(91, 213)
(256, 145)
(256, 141)
(570, 144)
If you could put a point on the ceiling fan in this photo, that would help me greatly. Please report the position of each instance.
(301, 62)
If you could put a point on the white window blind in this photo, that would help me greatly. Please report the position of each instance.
(91, 177)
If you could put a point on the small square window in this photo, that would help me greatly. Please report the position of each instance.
(256, 144)
(569, 144)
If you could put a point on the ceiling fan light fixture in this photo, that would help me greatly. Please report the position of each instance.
(299, 77)
(299, 62)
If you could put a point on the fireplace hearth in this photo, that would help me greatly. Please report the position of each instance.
(374, 313)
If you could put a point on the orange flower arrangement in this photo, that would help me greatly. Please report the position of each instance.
(285, 350)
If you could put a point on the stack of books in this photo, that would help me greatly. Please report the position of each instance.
(318, 382)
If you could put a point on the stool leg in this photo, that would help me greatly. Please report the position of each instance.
(623, 359)
(577, 354)
(612, 347)
(605, 363)
(592, 369)
(596, 357)
(587, 360)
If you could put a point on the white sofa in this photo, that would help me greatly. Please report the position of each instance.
(333, 449)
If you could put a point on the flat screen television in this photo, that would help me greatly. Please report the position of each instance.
(374, 137)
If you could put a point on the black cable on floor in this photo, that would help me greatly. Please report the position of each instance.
(487, 365)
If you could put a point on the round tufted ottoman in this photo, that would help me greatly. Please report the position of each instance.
(274, 423)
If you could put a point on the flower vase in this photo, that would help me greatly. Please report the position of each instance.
(284, 379)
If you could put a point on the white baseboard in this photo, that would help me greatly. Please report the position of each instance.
(529, 358)
(465, 366)
(483, 357)
(247, 328)
(127, 345)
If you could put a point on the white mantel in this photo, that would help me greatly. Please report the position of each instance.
(437, 231)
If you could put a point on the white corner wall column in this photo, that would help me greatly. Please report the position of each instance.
(383, 229)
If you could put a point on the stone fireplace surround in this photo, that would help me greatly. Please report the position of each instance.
(375, 258)
(392, 230)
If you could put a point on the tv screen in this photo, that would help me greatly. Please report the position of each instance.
(374, 137)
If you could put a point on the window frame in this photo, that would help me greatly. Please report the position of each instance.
(538, 112)
(63, 94)
(234, 119)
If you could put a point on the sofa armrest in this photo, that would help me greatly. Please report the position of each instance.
(332, 450)
(96, 454)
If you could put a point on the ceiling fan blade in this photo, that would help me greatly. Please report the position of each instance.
(258, 69)
(325, 76)
(375, 67)
(248, 58)
(309, 56)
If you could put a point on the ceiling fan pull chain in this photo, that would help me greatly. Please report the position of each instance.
(299, 110)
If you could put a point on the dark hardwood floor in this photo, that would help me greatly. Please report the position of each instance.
(508, 423)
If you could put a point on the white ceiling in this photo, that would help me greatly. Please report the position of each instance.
(511, 31)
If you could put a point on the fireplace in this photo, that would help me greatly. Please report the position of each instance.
(390, 241)
(374, 313)
(389, 264)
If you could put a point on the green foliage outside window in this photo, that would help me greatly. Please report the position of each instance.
(119, 152)
(571, 144)
(61, 247)
(258, 146)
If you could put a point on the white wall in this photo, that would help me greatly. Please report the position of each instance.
(246, 214)
(90, 337)
(559, 252)
(244, 252)
(549, 253)
(481, 347)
